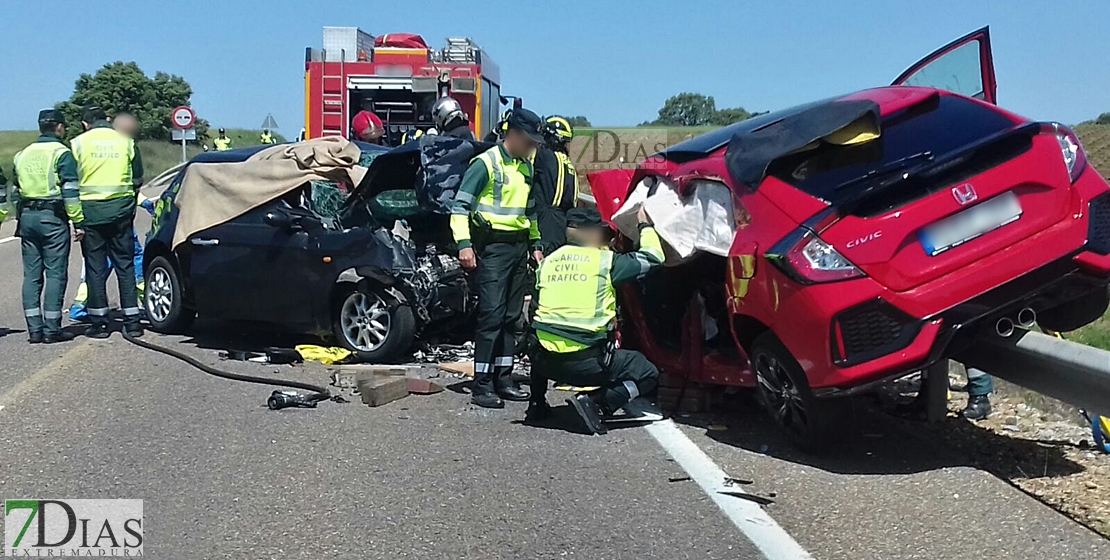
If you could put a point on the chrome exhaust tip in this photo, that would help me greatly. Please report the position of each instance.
(1004, 327)
(1026, 317)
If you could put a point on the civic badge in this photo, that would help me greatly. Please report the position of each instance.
(965, 194)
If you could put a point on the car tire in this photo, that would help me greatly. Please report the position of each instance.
(1076, 313)
(164, 299)
(372, 329)
(810, 423)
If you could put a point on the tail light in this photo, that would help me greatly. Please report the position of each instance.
(809, 260)
(1075, 158)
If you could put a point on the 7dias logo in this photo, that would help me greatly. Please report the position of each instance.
(48, 528)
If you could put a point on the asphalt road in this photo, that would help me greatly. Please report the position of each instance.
(433, 477)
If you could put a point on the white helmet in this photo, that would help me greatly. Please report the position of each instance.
(445, 110)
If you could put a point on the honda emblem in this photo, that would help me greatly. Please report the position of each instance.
(965, 194)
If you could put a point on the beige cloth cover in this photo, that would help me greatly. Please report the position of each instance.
(213, 193)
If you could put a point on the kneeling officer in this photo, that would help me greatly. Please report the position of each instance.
(575, 318)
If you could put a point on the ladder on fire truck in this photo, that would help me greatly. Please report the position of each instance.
(335, 104)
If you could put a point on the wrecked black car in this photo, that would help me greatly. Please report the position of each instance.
(344, 241)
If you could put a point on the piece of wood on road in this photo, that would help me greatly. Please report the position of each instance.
(380, 386)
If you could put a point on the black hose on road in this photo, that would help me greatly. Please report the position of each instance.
(277, 400)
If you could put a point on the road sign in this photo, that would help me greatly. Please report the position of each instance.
(190, 134)
(269, 123)
(183, 118)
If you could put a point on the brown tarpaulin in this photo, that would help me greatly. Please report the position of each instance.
(213, 193)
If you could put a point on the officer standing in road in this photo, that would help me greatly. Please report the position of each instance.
(493, 222)
(266, 137)
(222, 143)
(556, 183)
(3, 196)
(48, 200)
(450, 119)
(111, 171)
(574, 338)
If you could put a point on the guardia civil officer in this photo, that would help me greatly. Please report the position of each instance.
(111, 171)
(493, 221)
(574, 339)
(47, 200)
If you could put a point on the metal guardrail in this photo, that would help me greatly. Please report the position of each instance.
(1071, 372)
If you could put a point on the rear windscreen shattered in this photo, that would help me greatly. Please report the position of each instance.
(927, 131)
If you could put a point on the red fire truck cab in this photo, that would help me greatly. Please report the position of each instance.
(398, 77)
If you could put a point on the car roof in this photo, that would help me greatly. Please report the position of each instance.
(243, 154)
(702, 146)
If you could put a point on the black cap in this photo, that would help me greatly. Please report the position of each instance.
(584, 218)
(47, 116)
(527, 122)
(93, 113)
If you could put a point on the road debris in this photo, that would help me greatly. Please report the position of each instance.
(730, 481)
(679, 479)
(763, 501)
(419, 386)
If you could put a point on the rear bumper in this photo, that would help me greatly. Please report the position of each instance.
(945, 334)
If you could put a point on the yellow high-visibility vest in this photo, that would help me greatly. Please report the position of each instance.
(104, 159)
(575, 292)
(505, 200)
(222, 144)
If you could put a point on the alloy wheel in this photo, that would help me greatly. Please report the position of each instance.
(159, 295)
(364, 319)
(781, 395)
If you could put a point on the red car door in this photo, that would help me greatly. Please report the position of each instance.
(964, 66)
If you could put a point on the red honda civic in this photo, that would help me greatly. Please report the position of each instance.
(875, 234)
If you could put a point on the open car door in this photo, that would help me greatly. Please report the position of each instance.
(964, 66)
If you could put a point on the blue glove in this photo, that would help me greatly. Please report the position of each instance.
(148, 205)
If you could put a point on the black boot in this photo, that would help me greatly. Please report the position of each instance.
(134, 329)
(98, 330)
(512, 393)
(978, 407)
(35, 338)
(60, 336)
(588, 410)
(537, 412)
(487, 400)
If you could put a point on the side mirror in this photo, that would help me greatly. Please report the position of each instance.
(281, 220)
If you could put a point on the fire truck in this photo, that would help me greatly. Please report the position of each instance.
(398, 77)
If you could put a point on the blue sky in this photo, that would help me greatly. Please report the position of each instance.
(612, 61)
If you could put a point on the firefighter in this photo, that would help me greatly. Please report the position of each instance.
(125, 123)
(222, 143)
(411, 135)
(574, 338)
(367, 127)
(502, 127)
(493, 222)
(266, 138)
(46, 184)
(450, 119)
(556, 183)
(111, 170)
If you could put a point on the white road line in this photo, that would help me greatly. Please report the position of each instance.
(7, 239)
(749, 517)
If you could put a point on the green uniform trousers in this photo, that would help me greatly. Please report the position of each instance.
(111, 241)
(45, 242)
(502, 280)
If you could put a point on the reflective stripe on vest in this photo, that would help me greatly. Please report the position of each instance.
(566, 172)
(505, 200)
(104, 159)
(575, 290)
(222, 144)
(37, 169)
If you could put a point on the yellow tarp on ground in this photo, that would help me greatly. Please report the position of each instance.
(324, 355)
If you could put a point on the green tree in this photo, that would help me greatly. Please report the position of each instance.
(687, 109)
(1103, 119)
(122, 86)
(726, 117)
(578, 121)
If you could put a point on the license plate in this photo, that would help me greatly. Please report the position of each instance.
(960, 228)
